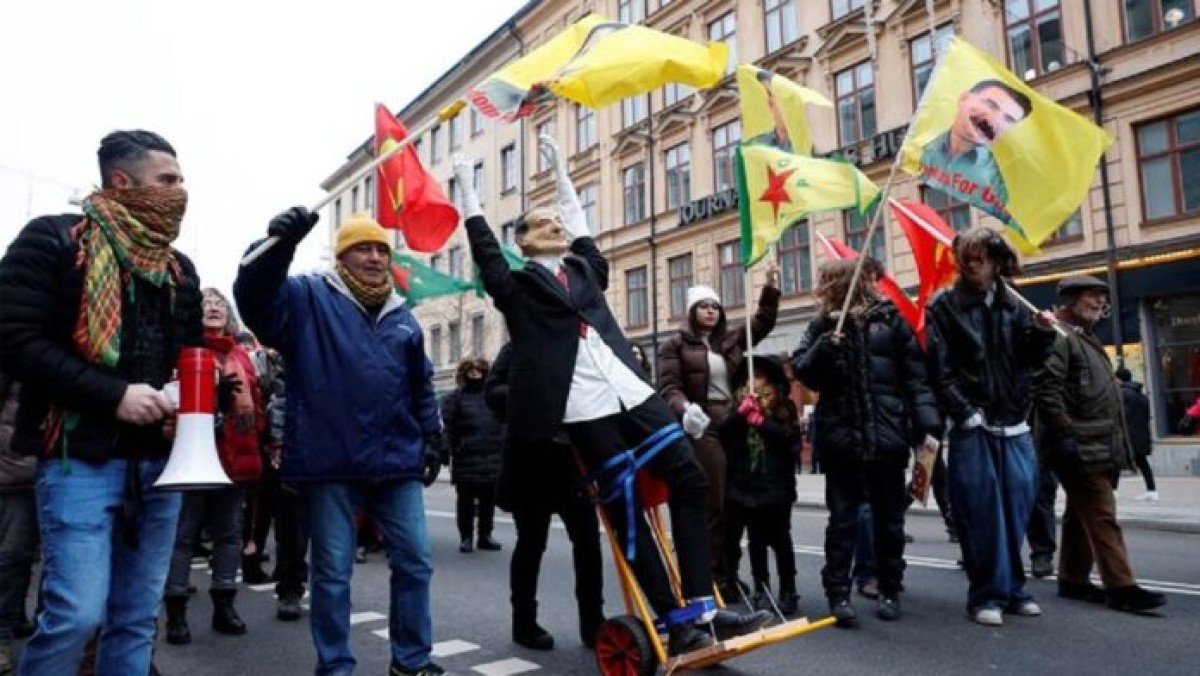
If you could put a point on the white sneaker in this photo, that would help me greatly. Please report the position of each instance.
(1151, 496)
(991, 617)
(1027, 609)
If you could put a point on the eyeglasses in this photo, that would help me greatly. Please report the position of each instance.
(707, 305)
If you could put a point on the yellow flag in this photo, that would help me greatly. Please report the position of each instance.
(984, 137)
(777, 190)
(596, 62)
(619, 61)
(773, 110)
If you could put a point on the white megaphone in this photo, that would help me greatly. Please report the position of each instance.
(194, 464)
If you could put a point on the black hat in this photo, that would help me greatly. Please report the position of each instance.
(770, 368)
(1079, 284)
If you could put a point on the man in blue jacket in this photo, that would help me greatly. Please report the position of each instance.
(362, 427)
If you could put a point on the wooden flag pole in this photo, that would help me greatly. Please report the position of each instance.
(446, 114)
(747, 288)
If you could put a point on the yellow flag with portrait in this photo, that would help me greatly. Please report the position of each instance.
(773, 110)
(984, 137)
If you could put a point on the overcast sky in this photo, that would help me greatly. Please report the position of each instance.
(262, 99)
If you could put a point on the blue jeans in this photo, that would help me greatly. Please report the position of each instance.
(398, 509)
(993, 481)
(91, 578)
(221, 510)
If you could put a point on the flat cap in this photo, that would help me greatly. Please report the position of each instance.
(1081, 283)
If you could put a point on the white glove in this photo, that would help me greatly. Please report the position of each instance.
(464, 171)
(974, 420)
(695, 421)
(569, 207)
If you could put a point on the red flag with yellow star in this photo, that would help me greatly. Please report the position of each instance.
(778, 189)
(408, 199)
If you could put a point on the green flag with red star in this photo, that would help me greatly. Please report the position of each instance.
(778, 189)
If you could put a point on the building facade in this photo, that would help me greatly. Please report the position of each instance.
(655, 173)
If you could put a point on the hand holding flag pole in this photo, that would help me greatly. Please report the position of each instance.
(446, 114)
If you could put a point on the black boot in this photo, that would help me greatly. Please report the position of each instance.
(225, 619)
(590, 620)
(1134, 599)
(487, 544)
(178, 632)
(530, 634)
(252, 572)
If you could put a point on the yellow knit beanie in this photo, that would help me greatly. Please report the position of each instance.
(360, 228)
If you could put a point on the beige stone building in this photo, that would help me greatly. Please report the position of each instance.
(655, 172)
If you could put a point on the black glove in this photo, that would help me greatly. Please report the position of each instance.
(292, 225)
(227, 387)
(433, 458)
(1064, 445)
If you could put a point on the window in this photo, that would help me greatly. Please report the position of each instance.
(923, 57)
(354, 200)
(637, 306)
(855, 89)
(477, 182)
(729, 260)
(631, 11)
(956, 214)
(477, 336)
(587, 201)
(456, 132)
(417, 148)
(455, 258)
(369, 195)
(546, 128)
(675, 92)
(585, 128)
(843, 7)
(781, 23)
(454, 336)
(679, 273)
(856, 225)
(454, 193)
(795, 260)
(435, 144)
(435, 262)
(508, 168)
(633, 110)
(634, 181)
(1178, 337)
(476, 123)
(1144, 18)
(1035, 43)
(508, 234)
(1070, 230)
(725, 140)
(435, 346)
(679, 179)
(337, 212)
(724, 30)
(1169, 162)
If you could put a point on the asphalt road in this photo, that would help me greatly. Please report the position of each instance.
(471, 618)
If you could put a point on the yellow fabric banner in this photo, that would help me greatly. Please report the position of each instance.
(984, 137)
(778, 189)
(773, 110)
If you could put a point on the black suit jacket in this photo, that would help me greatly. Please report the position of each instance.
(543, 322)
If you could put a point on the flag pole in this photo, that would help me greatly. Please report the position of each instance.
(445, 114)
(941, 238)
(747, 287)
(858, 265)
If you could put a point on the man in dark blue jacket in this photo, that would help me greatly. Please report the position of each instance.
(362, 427)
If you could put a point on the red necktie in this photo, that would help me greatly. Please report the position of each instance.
(562, 279)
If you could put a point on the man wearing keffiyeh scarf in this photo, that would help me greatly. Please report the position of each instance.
(96, 309)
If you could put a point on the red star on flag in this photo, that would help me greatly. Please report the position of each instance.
(776, 192)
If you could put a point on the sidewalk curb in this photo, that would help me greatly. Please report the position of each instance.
(1128, 522)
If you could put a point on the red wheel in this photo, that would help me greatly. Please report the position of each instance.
(623, 648)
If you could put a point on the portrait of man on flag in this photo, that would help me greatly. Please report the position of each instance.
(960, 161)
(773, 110)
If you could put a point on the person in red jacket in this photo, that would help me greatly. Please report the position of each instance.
(239, 425)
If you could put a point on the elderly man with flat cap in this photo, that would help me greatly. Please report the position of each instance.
(1080, 423)
(362, 428)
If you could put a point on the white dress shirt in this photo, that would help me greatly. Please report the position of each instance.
(602, 384)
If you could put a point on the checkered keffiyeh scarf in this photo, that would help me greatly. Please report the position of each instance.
(123, 232)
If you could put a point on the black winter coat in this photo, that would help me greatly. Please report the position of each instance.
(876, 403)
(761, 469)
(991, 371)
(537, 474)
(1137, 418)
(40, 288)
(473, 436)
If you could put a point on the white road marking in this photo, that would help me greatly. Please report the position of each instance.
(452, 647)
(270, 586)
(367, 616)
(513, 665)
(381, 633)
